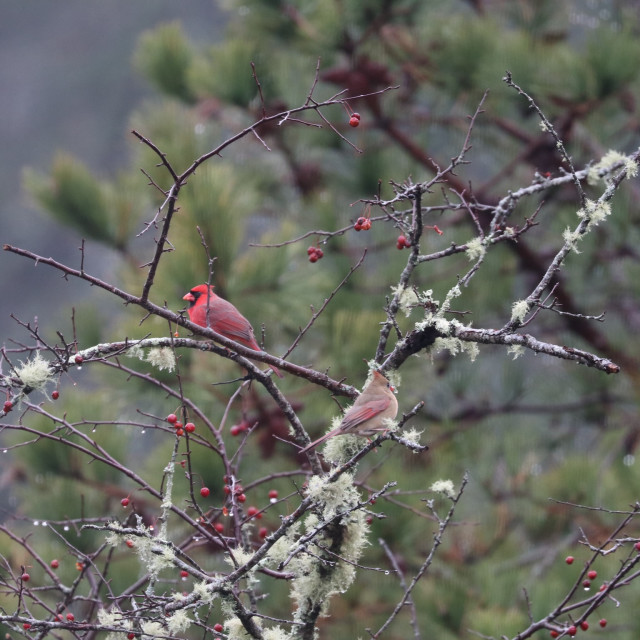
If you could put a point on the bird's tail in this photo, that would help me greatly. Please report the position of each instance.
(320, 440)
(277, 371)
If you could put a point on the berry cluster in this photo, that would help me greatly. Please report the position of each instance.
(172, 419)
(354, 120)
(402, 243)
(362, 224)
(314, 253)
(239, 428)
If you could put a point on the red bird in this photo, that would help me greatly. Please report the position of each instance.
(222, 317)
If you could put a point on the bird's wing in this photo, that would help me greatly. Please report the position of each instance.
(228, 321)
(357, 415)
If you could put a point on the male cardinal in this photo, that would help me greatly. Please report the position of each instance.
(368, 414)
(222, 317)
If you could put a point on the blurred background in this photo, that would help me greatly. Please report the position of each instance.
(69, 84)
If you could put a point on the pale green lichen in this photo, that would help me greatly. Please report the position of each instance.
(281, 549)
(162, 358)
(152, 630)
(407, 301)
(316, 586)
(235, 629)
(571, 238)
(241, 557)
(35, 373)
(605, 164)
(136, 351)
(114, 538)
(412, 435)
(204, 591)
(476, 249)
(442, 326)
(332, 497)
(445, 487)
(519, 310)
(456, 346)
(275, 633)
(594, 212)
(453, 293)
(631, 167)
(115, 619)
(516, 350)
(178, 622)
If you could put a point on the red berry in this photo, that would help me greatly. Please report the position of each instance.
(205, 491)
(79, 359)
(311, 250)
(355, 115)
(584, 625)
(569, 559)
(360, 222)
(55, 395)
(219, 527)
(572, 630)
(179, 432)
(172, 418)
(586, 584)
(25, 577)
(70, 617)
(177, 425)
(125, 502)
(129, 544)
(26, 625)
(131, 636)
(263, 532)
(592, 575)
(227, 489)
(273, 494)
(313, 258)
(189, 427)
(8, 405)
(637, 546)
(603, 623)
(251, 511)
(242, 498)
(235, 429)
(354, 122)
(184, 574)
(401, 243)
(553, 633)
(54, 564)
(217, 627)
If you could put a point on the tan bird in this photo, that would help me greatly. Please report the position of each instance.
(369, 413)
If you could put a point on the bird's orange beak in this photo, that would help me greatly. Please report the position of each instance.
(189, 297)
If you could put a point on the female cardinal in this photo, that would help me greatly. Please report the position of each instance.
(222, 317)
(368, 414)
